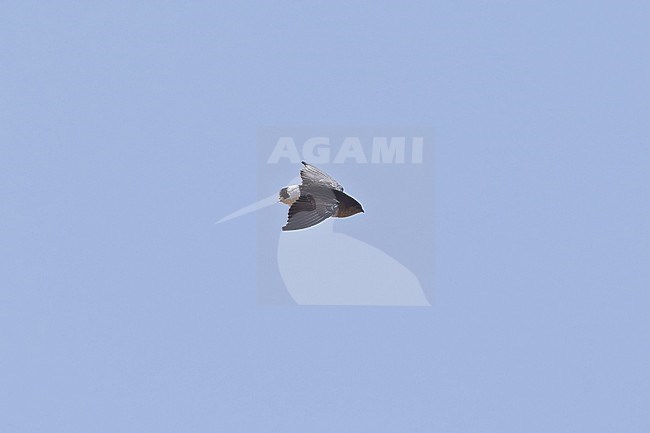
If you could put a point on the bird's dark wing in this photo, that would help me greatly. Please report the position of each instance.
(313, 176)
(313, 206)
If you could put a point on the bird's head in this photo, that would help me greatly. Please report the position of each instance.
(356, 208)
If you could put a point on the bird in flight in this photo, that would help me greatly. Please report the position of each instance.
(316, 199)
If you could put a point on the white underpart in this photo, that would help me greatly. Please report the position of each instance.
(294, 193)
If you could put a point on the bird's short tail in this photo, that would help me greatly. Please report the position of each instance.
(289, 194)
(284, 194)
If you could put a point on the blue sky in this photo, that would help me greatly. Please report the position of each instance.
(128, 129)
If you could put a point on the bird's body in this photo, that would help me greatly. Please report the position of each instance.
(318, 198)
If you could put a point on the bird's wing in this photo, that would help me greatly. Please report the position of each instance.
(313, 176)
(313, 206)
